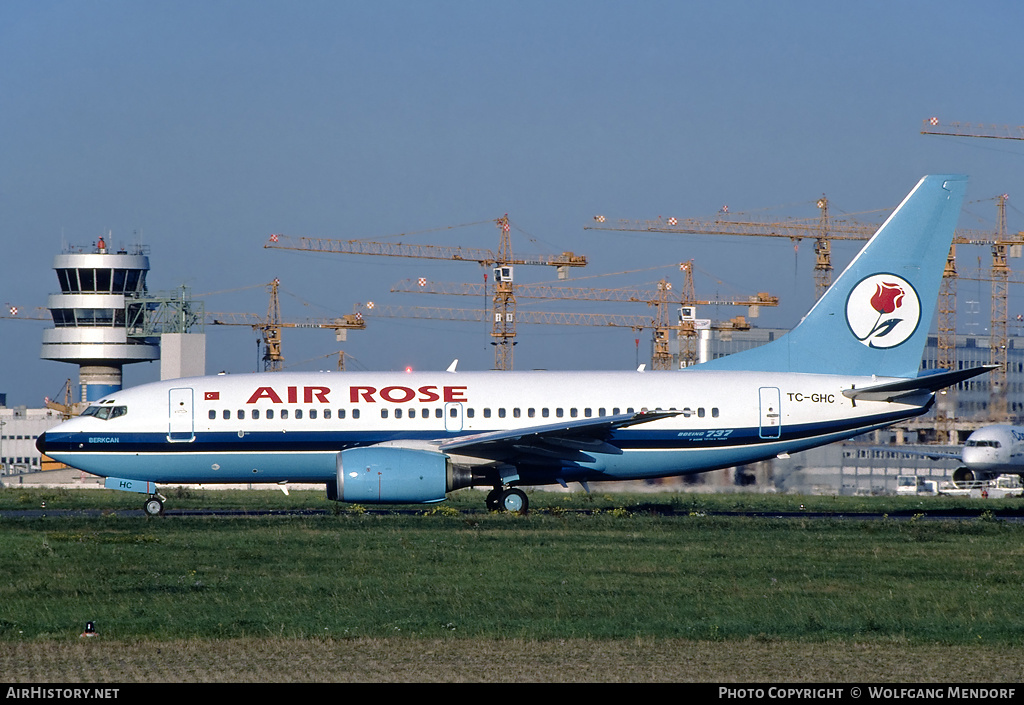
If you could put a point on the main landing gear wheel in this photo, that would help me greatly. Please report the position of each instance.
(153, 507)
(514, 500)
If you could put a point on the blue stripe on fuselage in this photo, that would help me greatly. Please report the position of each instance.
(310, 456)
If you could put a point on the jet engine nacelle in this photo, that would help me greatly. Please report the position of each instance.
(964, 475)
(383, 474)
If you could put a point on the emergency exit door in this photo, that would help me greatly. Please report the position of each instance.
(771, 412)
(181, 427)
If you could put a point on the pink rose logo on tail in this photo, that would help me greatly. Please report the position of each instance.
(883, 311)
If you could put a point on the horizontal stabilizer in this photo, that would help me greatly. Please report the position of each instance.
(894, 391)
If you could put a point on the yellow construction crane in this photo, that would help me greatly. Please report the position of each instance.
(1000, 276)
(341, 355)
(661, 298)
(1000, 271)
(17, 313)
(503, 328)
(661, 358)
(475, 315)
(68, 408)
(934, 126)
(823, 231)
(271, 325)
(827, 229)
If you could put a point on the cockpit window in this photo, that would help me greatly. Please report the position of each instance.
(984, 444)
(105, 412)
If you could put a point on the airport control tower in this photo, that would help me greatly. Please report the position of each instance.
(89, 315)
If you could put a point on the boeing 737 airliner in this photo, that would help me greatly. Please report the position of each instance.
(850, 366)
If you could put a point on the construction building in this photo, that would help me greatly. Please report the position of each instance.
(19, 429)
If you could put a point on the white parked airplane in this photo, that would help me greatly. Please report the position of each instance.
(989, 452)
(850, 366)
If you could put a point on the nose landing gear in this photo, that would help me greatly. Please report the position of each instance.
(154, 506)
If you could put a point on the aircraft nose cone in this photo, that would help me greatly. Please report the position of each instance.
(41, 443)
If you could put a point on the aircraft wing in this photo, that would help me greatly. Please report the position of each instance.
(931, 455)
(925, 384)
(570, 441)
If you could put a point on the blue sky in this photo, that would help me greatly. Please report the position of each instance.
(202, 127)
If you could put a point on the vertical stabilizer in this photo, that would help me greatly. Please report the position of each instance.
(875, 317)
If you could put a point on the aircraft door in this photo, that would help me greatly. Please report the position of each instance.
(453, 416)
(771, 412)
(180, 416)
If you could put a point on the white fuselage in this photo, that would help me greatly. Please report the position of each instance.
(992, 449)
(290, 427)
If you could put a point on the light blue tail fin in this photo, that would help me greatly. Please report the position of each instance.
(875, 317)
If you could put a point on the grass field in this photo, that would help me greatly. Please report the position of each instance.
(446, 594)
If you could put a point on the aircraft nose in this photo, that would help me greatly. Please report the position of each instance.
(41, 443)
